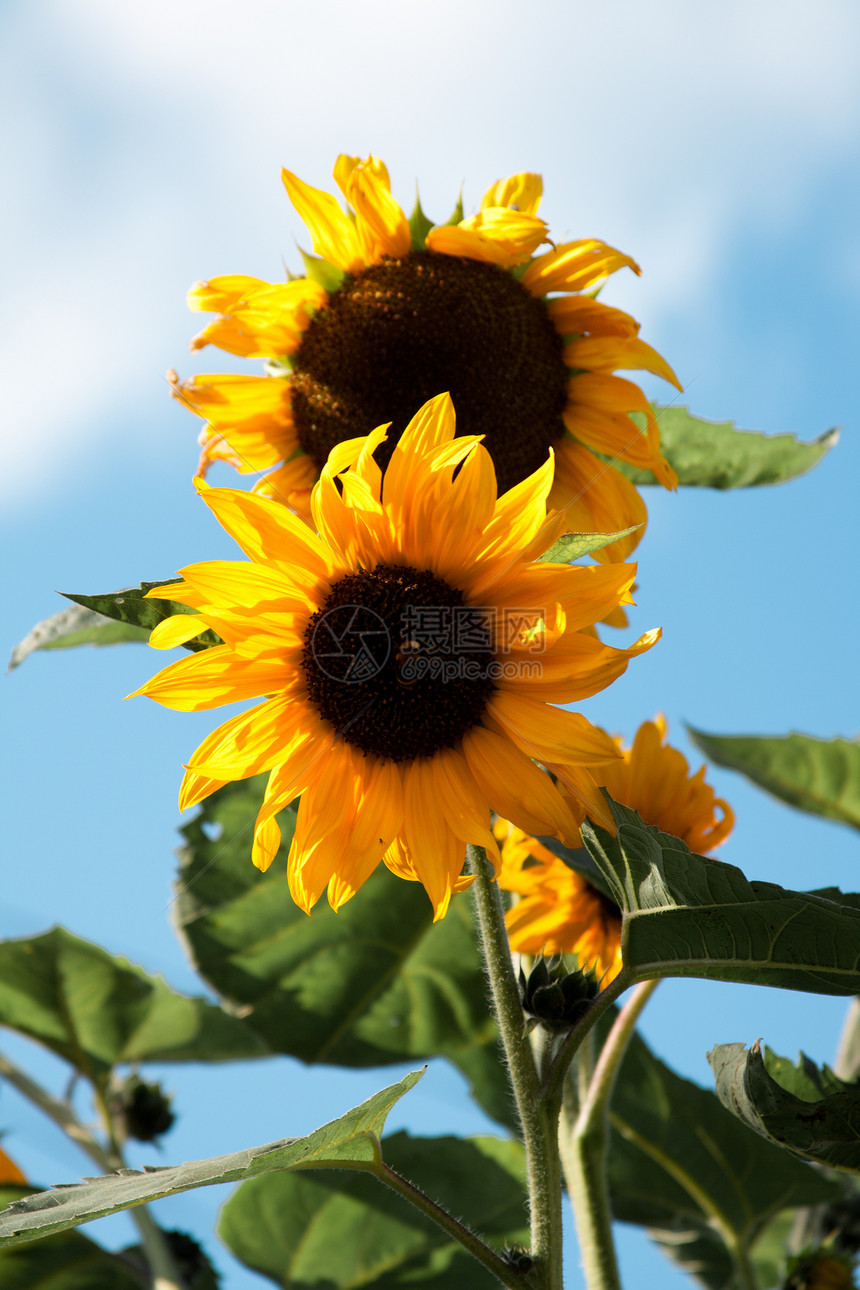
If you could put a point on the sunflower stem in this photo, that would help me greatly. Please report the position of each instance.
(162, 1266)
(538, 1115)
(553, 1082)
(583, 1140)
(467, 1238)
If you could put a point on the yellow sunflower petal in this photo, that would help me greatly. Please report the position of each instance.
(496, 235)
(597, 498)
(382, 226)
(575, 266)
(606, 353)
(253, 741)
(176, 631)
(580, 668)
(261, 526)
(220, 294)
(583, 315)
(213, 677)
(333, 234)
(516, 787)
(521, 192)
(548, 733)
(435, 851)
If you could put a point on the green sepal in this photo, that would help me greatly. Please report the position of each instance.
(75, 626)
(323, 272)
(573, 546)
(714, 454)
(419, 226)
(279, 369)
(344, 1230)
(686, 915)
(69, 1261)
(803, 1107)
(703, 1184)
(821, 776)
(131, 606)
(350, 1142)
(457, 214)
(97, 1010)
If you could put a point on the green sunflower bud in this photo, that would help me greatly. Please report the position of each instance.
(555, 997)
(144, 1109)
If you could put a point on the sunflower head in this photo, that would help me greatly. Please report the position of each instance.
(410, 652)
(390, 311)
(560, 911)
(654, 779)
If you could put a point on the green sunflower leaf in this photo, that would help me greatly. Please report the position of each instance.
(75, 626)
(685, 915)
(375, 983)
(344, 1230)
(821, 776)
(97, 1010)
(713, 454)
(419, 226)
(704, 1184)
(350, 1142)
(572, 546)
(69, 1261)
(803, 1107)
(131, 606)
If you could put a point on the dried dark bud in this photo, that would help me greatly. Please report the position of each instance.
(556, 997)
(517, 1258)
(841, 1222)
(144, 1109)
(192, 1261)
(821, 1270)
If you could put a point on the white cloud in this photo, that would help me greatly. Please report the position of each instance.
(147, 140)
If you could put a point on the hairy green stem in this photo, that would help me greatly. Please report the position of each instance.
(538, 1115)
(584, 1138)
(602, 1081)
(162, 1266)
(554, 1080)
(476, 1247)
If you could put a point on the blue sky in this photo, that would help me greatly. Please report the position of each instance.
(718, 144)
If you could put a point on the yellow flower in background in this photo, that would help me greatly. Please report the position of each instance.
(9, 1171)
(388, 314)
(410, 656)
(560, 911)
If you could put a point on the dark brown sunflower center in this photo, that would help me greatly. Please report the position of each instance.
(405, 330)
(397, 663)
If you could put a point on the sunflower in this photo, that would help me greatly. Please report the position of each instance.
(391, 310)
(9, 1171)
(559, 910)
(411, 655)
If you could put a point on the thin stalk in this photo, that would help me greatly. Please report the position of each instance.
(584, 1162)
(554, 1081)
(476, 1247)
(538, 1116)
(583, 1145)
(747, 1278)
(602, 1081)
(162, 1266)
